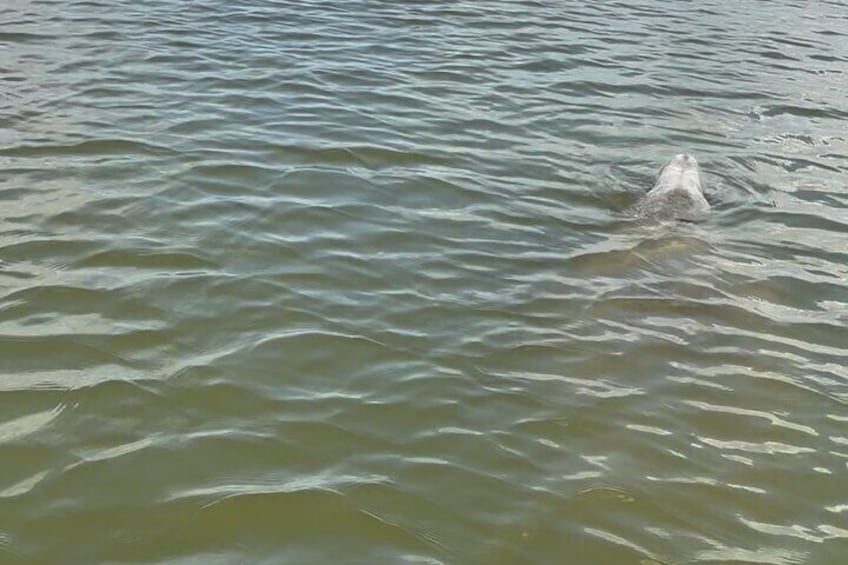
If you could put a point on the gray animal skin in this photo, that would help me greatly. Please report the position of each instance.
(678, 193)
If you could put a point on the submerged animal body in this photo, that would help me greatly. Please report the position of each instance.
(678, 193)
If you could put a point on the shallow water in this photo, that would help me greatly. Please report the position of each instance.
(326, 282)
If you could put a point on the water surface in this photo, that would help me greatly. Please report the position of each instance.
(349, 282)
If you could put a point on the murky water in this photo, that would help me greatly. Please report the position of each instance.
(349, 282)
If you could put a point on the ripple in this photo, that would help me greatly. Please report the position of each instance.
(12, 430)
(98, 147)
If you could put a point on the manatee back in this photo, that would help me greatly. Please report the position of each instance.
(678, 204)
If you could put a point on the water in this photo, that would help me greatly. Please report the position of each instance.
(349, 282)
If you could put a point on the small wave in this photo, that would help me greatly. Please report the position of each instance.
(91, 148)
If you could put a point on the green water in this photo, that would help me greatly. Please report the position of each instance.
(350, 282)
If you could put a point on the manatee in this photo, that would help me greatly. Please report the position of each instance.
(678, 193)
